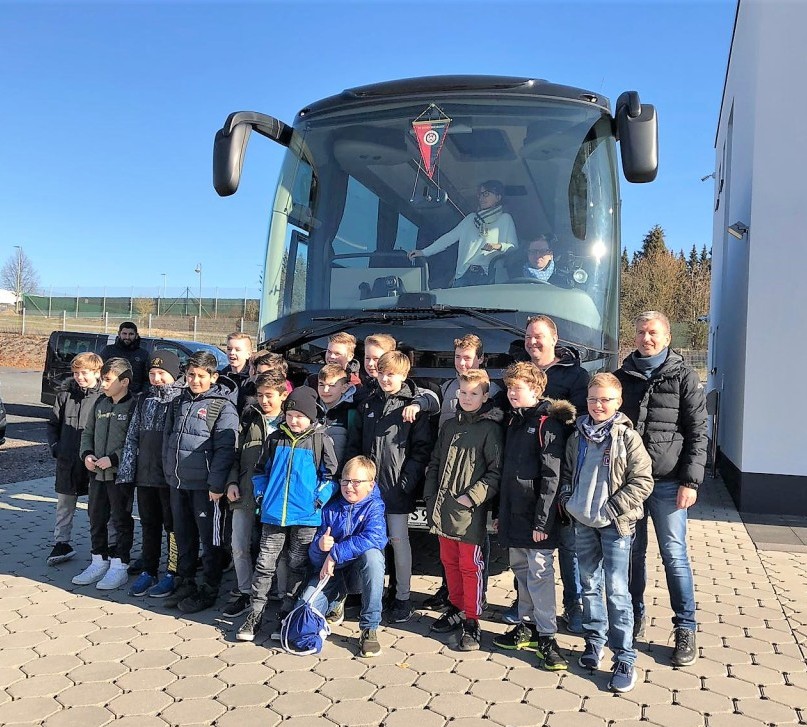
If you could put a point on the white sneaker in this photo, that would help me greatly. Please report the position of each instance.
(116, 576)
(95, 571)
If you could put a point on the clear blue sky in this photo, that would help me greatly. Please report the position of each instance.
(110, 110)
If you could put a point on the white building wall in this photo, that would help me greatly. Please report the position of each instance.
(759, 300)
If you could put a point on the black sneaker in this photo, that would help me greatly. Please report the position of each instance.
(471, 636)
(337, 614)
(549, 656)
(181, 592)
(369, 644)
(136, 567)
(521, 636)
(250, 627)
(401, 611)
(439, 600)
(639, 623)
(238, 606)
(450, 620)
(61, 552)
(685, 651)
(205, 597)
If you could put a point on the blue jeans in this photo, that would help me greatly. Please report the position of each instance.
(365, 575)
(604, 552)
(474, 275)
(569, 570)
(671, 532)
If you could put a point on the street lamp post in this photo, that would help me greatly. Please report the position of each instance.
(165, 277)
(18, 281)
(199, 271)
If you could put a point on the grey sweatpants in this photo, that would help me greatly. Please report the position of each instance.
(534, 570)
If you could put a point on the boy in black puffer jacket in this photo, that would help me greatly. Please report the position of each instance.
(535, 442)
(142, 464)
(198, 452)
(71, 411)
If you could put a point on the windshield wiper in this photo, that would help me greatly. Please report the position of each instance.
(479, 314)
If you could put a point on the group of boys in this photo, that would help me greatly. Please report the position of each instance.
(332, 474)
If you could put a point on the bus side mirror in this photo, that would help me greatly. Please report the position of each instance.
(231, 143)
(637, 131)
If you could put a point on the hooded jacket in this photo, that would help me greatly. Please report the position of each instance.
(668, 410)
(338, 420)
(399, 449)
(194, 456)
(355, 528)
(253, 433)
(137, 357)
(567, 379)
(466, 461)
(105, 433)
(535, 443)
(294, 480)
(630, 482)
(142, 457)
(68, 418)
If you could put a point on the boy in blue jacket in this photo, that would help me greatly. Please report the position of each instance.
(349, 548)
(296, 481)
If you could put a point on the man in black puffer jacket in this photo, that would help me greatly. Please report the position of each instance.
(664, 399)
(127, 345)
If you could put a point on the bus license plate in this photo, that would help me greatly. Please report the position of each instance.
(417, 519)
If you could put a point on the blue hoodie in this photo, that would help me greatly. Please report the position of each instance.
(355, 528)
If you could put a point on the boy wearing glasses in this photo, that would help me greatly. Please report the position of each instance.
(295, 481)
(349, 547)
(605, 479)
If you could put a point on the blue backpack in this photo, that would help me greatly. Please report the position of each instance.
(305, 629)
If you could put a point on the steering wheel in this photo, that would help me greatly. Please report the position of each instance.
(529, 280)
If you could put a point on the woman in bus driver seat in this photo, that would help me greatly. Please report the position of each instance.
(482, 236)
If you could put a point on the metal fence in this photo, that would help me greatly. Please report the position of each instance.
(205, 329)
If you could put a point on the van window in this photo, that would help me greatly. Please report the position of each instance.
(68, 345)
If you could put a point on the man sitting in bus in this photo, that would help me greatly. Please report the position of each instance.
(482, 236)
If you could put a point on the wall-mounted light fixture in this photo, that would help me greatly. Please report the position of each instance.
(738, 230)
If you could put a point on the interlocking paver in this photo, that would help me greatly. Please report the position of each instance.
(140, 702)
(673, 679)
(356, 713)
(296, 682)
(58, 664)
(390, 675)
(481, 669)
(199, 647)
(141, 679)
(425, 663)
(145, 642)
(757, 674)
(733, 720)
(402, 697)
(101, 671)
(28, 711)
(300, 704)
(458, 705)
(45, 685)
(193, 711)
(195, 687)
(513, 714)
(80, 717)
(341, 669)
(197, 666)
(496, 691)
(419, 717)
(246, 695)
(250, 717)
(790, 696)
(343, 689)
(246, 674)
(672, 715)
(115, 651)
(91, 693)
(767, 711)
(139, 721)
(705, 701)
(574, 719)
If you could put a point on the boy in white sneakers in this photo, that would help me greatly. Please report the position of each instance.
(101, 446)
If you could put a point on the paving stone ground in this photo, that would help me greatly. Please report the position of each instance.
(75, 656)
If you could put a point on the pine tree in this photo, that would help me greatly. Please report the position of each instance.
(653, 242)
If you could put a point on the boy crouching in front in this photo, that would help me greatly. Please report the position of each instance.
(349, 547)
(605, 479)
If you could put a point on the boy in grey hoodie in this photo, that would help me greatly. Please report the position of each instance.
(605, 478)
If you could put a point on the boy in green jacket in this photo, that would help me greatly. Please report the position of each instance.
(462, 477)
(101, 447)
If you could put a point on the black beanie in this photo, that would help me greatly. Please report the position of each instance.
(304, 400)
(167, 361)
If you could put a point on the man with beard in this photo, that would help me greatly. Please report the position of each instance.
(127, 345)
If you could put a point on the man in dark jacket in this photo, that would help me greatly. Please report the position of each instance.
(663, 397)
(127, 345)
(565, 379)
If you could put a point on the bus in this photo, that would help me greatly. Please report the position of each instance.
(378, 171)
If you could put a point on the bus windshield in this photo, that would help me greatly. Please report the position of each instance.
(355, 198)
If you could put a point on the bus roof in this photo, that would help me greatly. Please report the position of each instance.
(427, 86)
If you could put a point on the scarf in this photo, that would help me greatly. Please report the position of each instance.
(646, 365)
(483, 218)
(596, 432)
(539, 274)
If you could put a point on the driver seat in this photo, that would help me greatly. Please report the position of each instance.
(507, 266)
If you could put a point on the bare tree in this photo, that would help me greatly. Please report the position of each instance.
(19, 275)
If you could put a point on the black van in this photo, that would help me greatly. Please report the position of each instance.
(64, 345)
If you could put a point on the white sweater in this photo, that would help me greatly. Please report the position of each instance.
(501, 230)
